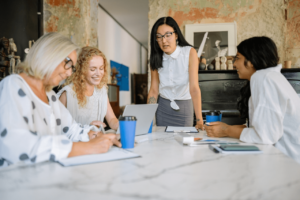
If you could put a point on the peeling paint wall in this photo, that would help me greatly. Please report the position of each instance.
(76, 19)
(253, 18)
(293, 33)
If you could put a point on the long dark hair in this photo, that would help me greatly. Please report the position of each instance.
(262, 53)
(156, 52)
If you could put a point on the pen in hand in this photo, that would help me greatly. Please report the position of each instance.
(102, 129)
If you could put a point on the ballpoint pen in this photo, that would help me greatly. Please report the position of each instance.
(102, 129)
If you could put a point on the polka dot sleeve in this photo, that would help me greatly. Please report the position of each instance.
(25, 136)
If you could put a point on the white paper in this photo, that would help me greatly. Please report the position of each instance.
(114, 153)
(177, 129)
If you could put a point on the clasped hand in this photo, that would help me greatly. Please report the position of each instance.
(216, 129)
(108, 139)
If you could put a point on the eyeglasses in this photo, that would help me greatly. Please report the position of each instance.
(234, 59)
(167, 35)
(69, 64)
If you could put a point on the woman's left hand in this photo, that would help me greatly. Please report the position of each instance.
(94, 134)
(200, 125)
(216, 129)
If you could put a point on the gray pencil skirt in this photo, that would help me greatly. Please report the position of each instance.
(167, 116)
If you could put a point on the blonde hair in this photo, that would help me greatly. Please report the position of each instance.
(46, 54)
(78, 78)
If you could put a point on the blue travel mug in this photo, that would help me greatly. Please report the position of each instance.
(127, 131)
(150, 129)
(213, 116)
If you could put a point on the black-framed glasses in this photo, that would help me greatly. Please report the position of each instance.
(167, 35)
(69, 64)
(234, 59)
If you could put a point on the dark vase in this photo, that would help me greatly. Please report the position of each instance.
(210, 67)
(202, 66)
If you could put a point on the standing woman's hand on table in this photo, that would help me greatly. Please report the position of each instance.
(200, 125)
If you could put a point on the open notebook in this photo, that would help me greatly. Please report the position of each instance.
(114, 153)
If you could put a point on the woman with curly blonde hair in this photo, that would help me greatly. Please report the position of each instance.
(85, 92)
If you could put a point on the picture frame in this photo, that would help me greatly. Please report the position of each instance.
(212, 40)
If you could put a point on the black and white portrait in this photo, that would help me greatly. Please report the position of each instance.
(212, 44)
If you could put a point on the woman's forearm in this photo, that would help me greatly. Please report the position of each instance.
(114, 124)
(196, 98)
(234, 131)
(152, 97)
(79, 149)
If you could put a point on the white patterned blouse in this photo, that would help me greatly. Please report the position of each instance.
(32, 131)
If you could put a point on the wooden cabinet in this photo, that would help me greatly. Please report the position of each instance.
(113, 96)
(139, 88)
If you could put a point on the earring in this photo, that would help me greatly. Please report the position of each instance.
(177, 42)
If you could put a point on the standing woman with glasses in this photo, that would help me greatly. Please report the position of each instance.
(174, 76)
(34, 125)
(85, 93)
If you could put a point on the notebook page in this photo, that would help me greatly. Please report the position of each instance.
(114, 153)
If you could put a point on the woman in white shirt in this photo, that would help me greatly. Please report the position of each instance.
(34, 125)
(85, 93)
(268, 100)
(174, 76)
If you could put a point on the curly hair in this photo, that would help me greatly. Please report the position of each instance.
(78, 78)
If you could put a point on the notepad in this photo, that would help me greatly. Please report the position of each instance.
(176, 129)
(114, 153)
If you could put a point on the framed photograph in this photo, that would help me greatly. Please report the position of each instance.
(212, 40)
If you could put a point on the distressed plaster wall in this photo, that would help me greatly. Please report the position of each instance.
(293, 32)
(76, 19)
(253, 18)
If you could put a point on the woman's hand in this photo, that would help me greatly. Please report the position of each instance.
(200, 125)
(94, 134)
(216, 129)
(98, 124)
(116, 140)
(101, 144)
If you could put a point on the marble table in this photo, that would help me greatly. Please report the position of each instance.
(167, 170)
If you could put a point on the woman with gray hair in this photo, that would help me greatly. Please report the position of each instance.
(34, 125)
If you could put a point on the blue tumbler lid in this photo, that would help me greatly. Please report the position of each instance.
(127, 118)
(213, 113)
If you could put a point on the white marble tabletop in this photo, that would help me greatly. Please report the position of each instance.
(167, 170)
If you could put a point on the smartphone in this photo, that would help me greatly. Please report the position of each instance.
(238, 148)
(194, 144)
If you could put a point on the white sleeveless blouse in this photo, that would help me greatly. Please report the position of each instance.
(94, 109)
(174, 76)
